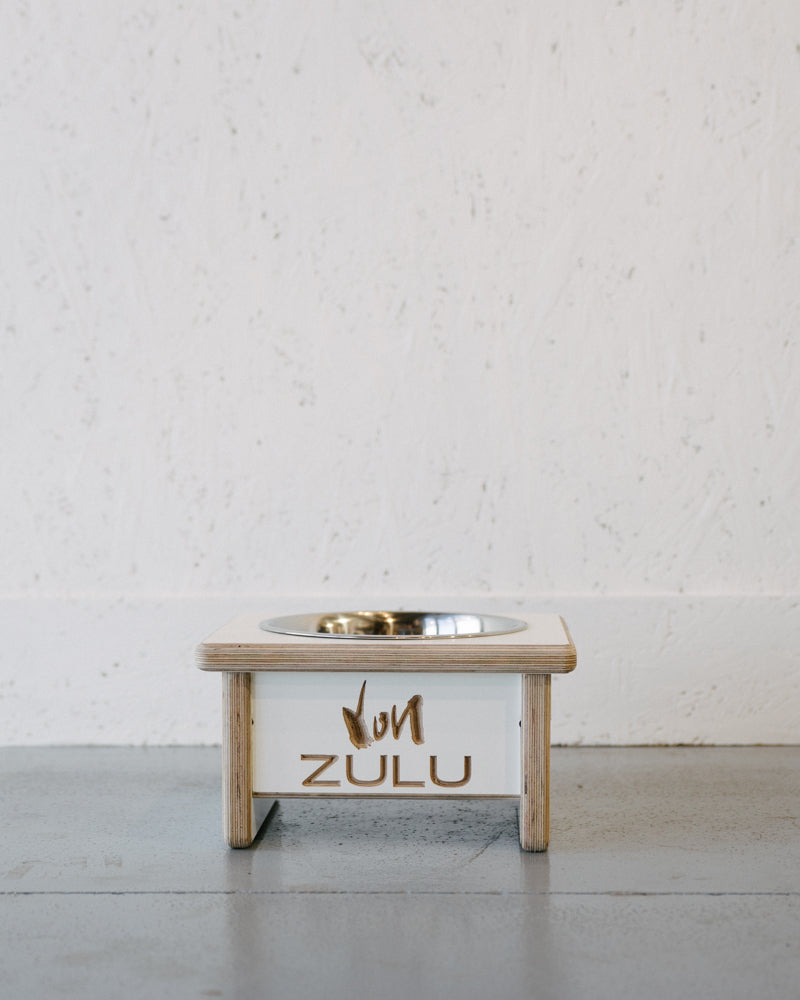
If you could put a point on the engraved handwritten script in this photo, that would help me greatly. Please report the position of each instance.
(362, 737)
(358, 731)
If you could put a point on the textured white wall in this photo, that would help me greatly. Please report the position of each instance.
(314, 302)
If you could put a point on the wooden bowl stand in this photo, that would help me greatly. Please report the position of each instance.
(243, 652)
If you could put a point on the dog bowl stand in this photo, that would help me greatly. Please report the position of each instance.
(254, 662)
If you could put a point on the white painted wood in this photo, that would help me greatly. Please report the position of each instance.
(467, 715)
(544, 646)
(245, 630)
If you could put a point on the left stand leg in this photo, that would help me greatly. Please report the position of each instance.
(241, 818)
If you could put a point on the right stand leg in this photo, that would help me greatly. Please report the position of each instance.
(534, 799)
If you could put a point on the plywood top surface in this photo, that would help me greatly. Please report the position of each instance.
(545, 646)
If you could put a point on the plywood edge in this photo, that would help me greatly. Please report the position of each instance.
(515, 660)
(572, 653)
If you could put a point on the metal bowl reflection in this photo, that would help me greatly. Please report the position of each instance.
(393, 625)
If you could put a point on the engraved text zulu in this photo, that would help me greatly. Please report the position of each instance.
(361, 736)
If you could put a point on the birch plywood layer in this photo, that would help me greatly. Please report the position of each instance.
(545, 646)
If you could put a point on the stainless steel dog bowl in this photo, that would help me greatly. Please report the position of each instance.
(393, 625)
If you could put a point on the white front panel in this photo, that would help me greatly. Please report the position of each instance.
(453, 734)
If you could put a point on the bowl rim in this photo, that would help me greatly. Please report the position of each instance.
(302, 625)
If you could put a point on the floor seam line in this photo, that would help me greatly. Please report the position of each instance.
(617, 894)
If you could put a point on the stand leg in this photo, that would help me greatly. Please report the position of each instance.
(241, 818)
(534, 800)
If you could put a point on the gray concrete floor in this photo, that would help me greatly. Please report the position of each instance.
(671, 873)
